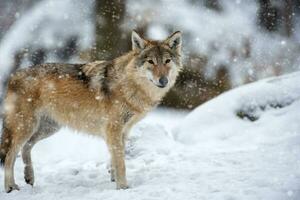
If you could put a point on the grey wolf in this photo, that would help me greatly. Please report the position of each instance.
(101, 98)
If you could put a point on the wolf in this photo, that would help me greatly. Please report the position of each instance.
(102, 98)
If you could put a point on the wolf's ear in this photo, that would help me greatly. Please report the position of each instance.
(174, 41)
(138, 43)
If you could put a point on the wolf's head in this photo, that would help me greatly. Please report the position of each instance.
(158, 61)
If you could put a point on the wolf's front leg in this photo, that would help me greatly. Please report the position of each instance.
(111, 171)
(114, 140)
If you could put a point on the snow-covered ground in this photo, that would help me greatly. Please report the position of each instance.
(210, 153)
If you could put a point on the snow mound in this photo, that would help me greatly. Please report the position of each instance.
(253, 114)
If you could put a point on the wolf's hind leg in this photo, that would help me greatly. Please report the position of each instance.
(47, 127)
(22, 131)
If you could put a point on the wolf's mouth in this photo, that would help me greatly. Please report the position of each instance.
(161, 86)
(157, 85)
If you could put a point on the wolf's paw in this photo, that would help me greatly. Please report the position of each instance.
(112, 179)
(112, 175)
(122, 187)
(12, 187)
(28, 175)
(29, 181)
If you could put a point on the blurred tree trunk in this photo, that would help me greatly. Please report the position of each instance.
(268, 15)
(110, 42)
(288, 17)
(277, 16)
(213, 4)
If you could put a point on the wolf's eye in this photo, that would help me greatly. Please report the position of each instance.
(151, 62)
(167, 61)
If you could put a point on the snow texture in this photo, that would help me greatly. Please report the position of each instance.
(243, 144)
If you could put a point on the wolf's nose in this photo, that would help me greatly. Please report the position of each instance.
(163, 81)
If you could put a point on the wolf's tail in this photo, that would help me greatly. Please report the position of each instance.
(5, 144)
